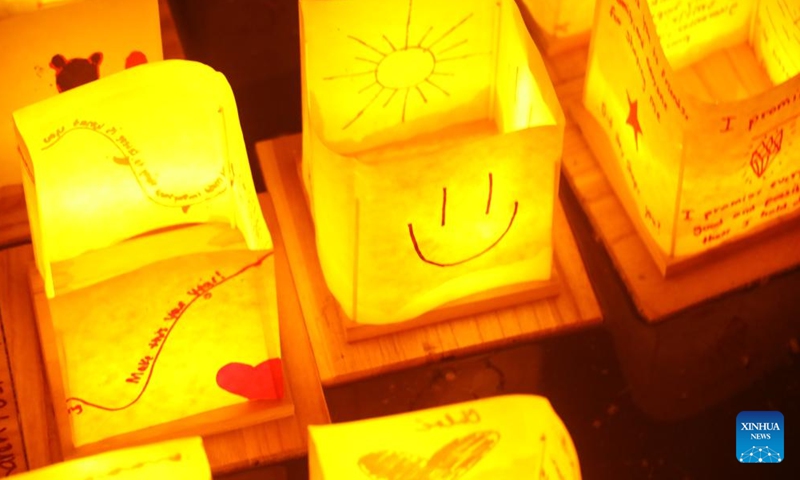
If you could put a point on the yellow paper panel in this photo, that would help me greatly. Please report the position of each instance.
(775, 36)
(152, 147)
(171, 340)
(184, 459)
(122, 32)
(384, 71)
(501, 437)
(690, 30)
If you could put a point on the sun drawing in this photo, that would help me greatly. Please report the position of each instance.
(398, 68)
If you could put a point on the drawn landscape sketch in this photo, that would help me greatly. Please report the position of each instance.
(156, 261)
(515, 436)
(184, 458)
(700, 102)
(94, 38)
(431, 146)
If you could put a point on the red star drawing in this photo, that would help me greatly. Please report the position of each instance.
(633, 119)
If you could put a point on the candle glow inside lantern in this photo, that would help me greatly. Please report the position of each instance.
(184, 458)
(53, 46)
(698, 111)
(157, 306)
(514, 436)
(431, 147)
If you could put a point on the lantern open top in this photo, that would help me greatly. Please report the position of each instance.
(693, 122)
(132, 181)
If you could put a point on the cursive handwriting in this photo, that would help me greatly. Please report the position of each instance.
(204, 287)
(8, 458)
(465, 417)
(144, 364)
(161, 334)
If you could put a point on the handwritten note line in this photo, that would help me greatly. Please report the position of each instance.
(197, 295)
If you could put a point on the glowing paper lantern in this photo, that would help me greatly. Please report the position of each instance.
(52, 46)
(699, 110)
(184, 458)
(515, 436)
(431, 148)
(156, 309)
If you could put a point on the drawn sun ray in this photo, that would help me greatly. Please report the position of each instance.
(405, 104)
(451, 47)
(428, 81)
(391, 45)
(349, 75)
(394, 92)
(460, 57)
(373, 84)
(362, 42)
(361, 112)
(408, 65)
(419, 90)
(450, 31)
(424, 36)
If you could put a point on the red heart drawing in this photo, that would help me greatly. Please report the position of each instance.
(262, 382)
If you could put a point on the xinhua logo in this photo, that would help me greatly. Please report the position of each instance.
(759, 437)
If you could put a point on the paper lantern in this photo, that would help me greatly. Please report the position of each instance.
(54, 45)
(431, 147)
(698, 110)
(514, 436)
(158, 300)
(184, 459)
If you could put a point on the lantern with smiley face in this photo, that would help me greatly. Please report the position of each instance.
(431, 147)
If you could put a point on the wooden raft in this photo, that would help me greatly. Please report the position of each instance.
(230, 451)
(744, 263)
(339, 361)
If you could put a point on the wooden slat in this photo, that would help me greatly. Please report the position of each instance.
(229, 451)
(340, 361)
(13, 216)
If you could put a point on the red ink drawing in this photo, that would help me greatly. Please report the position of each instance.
(473, 257)
(76, 71)
(80, 71)
(136, 58)
(765, 152)
(633, 119)
(147, 364)
(262, 382)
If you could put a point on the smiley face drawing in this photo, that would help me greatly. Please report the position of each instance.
(452, 263)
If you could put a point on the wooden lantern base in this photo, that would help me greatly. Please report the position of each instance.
(80, 283)
(409, 344)
(691, 281)
(27, 409)
(488, 301)
(14, 227)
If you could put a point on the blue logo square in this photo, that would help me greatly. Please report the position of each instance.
(759, 437)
